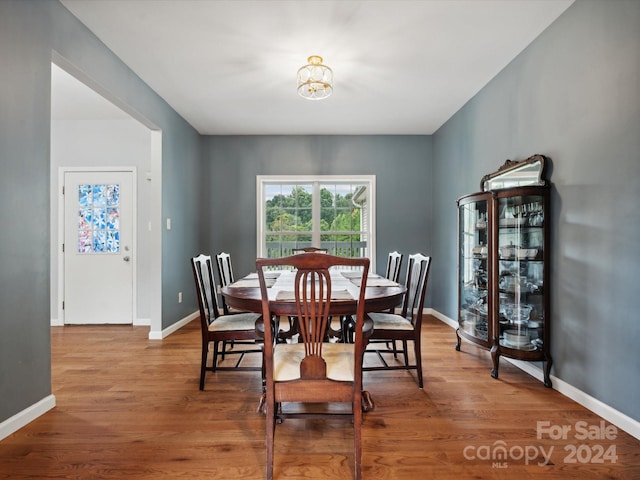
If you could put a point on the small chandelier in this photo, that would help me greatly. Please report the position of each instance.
(315, 80)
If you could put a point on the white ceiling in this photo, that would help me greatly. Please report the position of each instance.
(400, 67)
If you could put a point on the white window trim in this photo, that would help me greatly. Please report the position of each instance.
(261, 180)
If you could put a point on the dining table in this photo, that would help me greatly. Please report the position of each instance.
(381, 293)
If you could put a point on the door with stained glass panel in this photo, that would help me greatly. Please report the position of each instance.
(98, 249)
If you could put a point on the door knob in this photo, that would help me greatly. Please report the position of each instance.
(126, 259)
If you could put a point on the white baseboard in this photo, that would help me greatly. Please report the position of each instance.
(160, 334)
(137, 322)
(26, 416)
(441, 317)
(153, 335)
(617, 418)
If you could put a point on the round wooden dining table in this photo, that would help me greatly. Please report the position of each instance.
(380, 295)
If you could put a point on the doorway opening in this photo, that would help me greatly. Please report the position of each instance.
(91, 131)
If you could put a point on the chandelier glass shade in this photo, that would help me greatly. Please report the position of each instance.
(315, 80)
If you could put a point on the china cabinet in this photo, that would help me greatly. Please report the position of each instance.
(503, 265)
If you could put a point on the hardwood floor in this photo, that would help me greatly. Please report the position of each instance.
(129, 407)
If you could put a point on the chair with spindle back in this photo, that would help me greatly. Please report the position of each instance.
(312, 371)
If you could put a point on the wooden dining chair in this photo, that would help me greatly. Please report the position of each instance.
(312, 371)
(309, 250)
(219, 329)
(407, 324)
(394, 265)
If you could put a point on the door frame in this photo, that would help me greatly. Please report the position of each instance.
(61, 227)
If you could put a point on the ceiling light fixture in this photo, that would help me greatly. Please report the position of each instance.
(315, 80)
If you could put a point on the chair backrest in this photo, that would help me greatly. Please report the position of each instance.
(205, 289)
(394, 264)
(312, 307)
(225, 270)
(309, 250)
(225, 274)
(416, 284)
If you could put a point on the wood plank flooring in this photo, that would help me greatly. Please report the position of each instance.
(130, 408)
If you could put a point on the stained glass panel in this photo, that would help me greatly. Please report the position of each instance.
(113, 218)
(84, 218)
(99, 241)
(113, 194)
(99, 218)
(113, 242)
(85, 197)
(99, 221)
(99, 195)
(85, 241)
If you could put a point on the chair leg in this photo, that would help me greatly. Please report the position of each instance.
(271, 426)
(216, 353)
(357, 437)
(262, 404)
(418, 354)
(395, 349)
(224, 349)
(203, 364)
(405, 351)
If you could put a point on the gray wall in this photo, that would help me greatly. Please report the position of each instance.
(25, 373)
(402, 165)
(30, 31)
(573, 95)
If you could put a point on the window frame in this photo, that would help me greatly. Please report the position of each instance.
(316, 180)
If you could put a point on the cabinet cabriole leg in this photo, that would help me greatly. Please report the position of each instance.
(458, 344)
(547, 371)
(495, 357)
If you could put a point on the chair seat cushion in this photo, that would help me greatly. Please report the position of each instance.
(389, 321)
(239, 321)
(340, 359)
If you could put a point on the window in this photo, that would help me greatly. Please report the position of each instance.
(99, 218)
(332, 212)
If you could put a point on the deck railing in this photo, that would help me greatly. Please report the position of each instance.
(339, 249)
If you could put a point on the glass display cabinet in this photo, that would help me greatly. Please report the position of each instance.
(503, 263)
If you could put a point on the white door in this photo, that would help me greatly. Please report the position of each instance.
(98, 247)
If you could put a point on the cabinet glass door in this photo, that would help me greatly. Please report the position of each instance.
(521, 248)
(474, 269)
